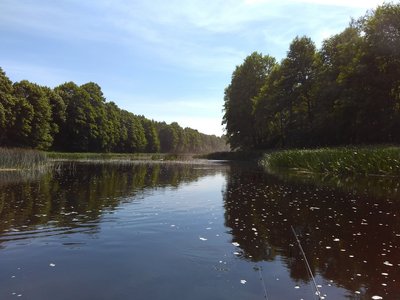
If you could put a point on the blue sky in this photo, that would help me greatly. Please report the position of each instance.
(168, 60)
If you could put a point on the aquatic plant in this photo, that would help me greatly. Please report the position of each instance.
(22, 159)
(337, 161)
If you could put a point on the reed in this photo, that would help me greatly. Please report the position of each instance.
(337, 161)
(21, 159)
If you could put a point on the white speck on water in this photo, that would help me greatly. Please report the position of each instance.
(385, 274)
(386, 263)
(172, 225)
(358, 292)
(52, 265)
(203, 239)
(243, 281)
(376, 297)
(236, 253)
(296, 287)
(328, 247)
(235, 244)
(336, 240)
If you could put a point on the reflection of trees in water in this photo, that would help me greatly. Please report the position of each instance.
(76, 195)
(348, 237)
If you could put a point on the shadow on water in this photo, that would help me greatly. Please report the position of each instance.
(74, 196)
(349, 229)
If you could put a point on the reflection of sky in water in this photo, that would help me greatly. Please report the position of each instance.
(167, 232)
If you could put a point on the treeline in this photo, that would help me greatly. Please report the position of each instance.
(347, 92)
(76, 118)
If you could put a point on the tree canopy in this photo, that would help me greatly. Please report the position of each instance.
(346, 92)
(79, 118)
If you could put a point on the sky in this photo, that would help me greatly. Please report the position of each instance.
(169, 60)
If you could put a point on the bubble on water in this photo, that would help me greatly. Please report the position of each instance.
(235, 244)
(52, 265)
(203, 239)
(376, 297)
(336, 240)
(386, 263)
(243, 281)
(296, 287)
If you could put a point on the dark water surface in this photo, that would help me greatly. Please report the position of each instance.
(182, 231)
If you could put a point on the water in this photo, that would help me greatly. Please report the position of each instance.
(200, 231)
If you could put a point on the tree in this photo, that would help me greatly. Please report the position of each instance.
(37, 122)
(150, 131)
(77, 132)
(247, 80)
(7, 107)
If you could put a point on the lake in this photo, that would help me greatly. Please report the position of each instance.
(196, 231)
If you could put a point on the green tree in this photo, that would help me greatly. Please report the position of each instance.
(7, 105)
(99, 136)
(39, 123)
(168, 137)
(58, 111)
(247, 80)
(150, 131)
(76, 134)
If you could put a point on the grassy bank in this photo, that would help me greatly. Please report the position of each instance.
(21, 159)
(337, 161)
(234, 156)
(117, 156)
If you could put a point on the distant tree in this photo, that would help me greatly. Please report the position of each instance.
(36, 113)
(168, 137)
(7, 106)
(58, 111)
(99, 136)
(150, 131)
(79, 128)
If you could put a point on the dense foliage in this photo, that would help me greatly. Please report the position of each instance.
(76, 118)
(347, 92)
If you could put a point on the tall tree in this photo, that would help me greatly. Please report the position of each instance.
(7, 106)
(247, 80)
(39, 133)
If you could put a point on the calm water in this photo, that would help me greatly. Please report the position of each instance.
(164, 231)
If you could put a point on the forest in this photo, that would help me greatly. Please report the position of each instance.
(345, 93)
(74, 118)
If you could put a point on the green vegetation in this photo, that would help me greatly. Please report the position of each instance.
(72, 118)
(79, 156)
(346, 93)
(234, 156)
(337, 161)
(21, 159)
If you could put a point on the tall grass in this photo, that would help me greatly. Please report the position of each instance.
(337, 161)
(87, 156)
(21, 159)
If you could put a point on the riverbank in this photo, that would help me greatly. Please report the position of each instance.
(345, 161)
(118, 156)
(381, 161)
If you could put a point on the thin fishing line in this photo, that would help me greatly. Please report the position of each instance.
(262, 282)
(307, 264)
